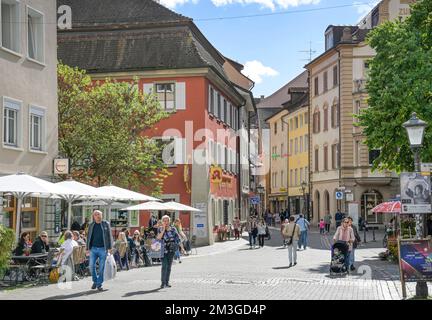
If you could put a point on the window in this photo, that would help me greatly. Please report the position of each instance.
(282, 179)
(301, 144)
(296, 124)
(224, 111)
(296, 146)
(10, 26)
(335, 76)
(306, 143)
(282, 149)
(219, 105)
(325, 118)
(283, 125)
(166, 96)
(316, 122)
(36, 128)
(228, 114)
(291, 125)
(306, 118)
(325, 158)
(316, 159)
(334, 115)
(296, 177)
(301, 175)
(373, 155)
(291, 178)
(357, 108)
(35, 35)
(275, 128)
(291, 147)
(226, 164)
(211, 100)
(357, 153)
(316, 90)
(11, 129)
(325, 81)
(329, 40)
(301, 121)
(335, 156)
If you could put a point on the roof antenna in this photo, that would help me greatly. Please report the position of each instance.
(310, 52)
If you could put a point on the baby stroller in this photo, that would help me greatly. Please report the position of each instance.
(338, 255)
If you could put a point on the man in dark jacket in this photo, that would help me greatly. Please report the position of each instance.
(75, 226)
(99, 244)
(41, 244)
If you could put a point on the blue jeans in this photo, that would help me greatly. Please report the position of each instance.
(123, 262)
(303, 239)
(252, 239)
(167, 261)
(101, 254)
(348, 259)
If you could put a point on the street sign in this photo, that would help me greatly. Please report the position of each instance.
(349, 197)
(255, 200)
(339, 195)
(61, 166)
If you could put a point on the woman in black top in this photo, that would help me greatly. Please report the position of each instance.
(23, 244)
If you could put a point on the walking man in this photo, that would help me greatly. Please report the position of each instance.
(304, 226)
(291, 232)
(99, 244)
(252, 229)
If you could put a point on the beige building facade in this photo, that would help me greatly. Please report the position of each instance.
(28, 102)
(339, 160)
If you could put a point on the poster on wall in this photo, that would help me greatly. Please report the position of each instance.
(415, 193)
(133, 218)
(416, 260)
(200, 221)
(57, 216)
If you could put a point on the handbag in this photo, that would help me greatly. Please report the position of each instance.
(54, 275)
(290, 239)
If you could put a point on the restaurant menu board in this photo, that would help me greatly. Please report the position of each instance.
(416, 260)
(415, 193)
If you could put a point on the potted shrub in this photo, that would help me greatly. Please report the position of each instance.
(7, 242)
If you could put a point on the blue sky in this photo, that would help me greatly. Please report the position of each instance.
(269, 46)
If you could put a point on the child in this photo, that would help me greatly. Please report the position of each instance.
(322, 226)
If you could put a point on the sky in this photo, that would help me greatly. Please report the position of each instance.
(270, 46)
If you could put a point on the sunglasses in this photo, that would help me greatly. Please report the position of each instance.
(44, 236)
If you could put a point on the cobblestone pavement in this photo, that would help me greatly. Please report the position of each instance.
(232, 271)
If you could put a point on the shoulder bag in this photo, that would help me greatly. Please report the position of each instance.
(290, 239)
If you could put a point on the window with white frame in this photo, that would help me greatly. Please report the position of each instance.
(10, 26)
(37, 129)
(165, 93)
(211, 100)
(11, 123)
(224, 111)
(35, 34)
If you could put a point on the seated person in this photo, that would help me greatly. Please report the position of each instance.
(24, 244)
(78, 239)
(67, 247)
(41, 245)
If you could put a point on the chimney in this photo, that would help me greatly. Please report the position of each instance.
(347, 35)
(262, 97)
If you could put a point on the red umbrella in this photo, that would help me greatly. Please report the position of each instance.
(388, 207)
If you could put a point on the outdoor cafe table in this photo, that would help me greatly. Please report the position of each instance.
(25, 262)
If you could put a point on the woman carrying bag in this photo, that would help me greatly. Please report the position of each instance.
(291, 233)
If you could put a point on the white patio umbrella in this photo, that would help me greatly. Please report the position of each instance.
(151, 205)
(181, 207)
(83, 189)
(22, 185)
(120, 194)
(99, 203)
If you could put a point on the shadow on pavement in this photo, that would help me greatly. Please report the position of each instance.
(75, 295)
(281, 268)
(136, 293)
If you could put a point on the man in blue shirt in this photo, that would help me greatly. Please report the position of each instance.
(304, 227)
(99, 244)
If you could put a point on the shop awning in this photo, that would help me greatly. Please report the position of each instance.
(388, 207)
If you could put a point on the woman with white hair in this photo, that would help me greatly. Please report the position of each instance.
(170, 239)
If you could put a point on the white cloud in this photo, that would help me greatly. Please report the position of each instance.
(255, 70)
(272, 4)
(173, 3)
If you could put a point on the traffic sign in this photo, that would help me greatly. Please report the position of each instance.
(339, 195)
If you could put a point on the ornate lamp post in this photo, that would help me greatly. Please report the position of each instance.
(415, 129)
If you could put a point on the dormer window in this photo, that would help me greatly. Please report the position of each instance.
(329, 39)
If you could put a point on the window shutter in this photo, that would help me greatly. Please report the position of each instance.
(180, 92)
(148, 88)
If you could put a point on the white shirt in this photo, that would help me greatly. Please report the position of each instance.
(68, 246)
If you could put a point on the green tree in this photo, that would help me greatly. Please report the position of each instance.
(101, 129)
(7, 242)
(400, 83)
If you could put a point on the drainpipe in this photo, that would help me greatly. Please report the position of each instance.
(340, 125)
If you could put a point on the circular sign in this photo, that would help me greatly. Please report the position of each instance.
(339, 195)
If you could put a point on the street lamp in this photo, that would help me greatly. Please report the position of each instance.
(415, 129)
(305, 206)
(260, 189)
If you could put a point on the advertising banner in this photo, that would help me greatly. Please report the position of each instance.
(416, 260)
(415, 193)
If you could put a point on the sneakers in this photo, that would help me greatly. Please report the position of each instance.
(93, 286)
(295, 263)
(290, 265)
(352, 268)
(100, 288)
